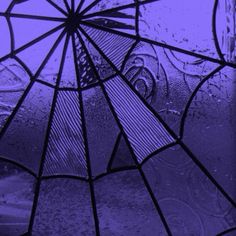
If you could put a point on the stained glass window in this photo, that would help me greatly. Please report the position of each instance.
(117, 117)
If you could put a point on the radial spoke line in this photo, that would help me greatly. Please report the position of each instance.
(137, 18)
(67, 5)
(46, 141)
(184, 116)
(123, 7)
(32, 17)
(171, 132)
(91, 184)
(73, 5)
(156, 43)
(31, 43)
(57, 7)
(142, 174)
(23, 65)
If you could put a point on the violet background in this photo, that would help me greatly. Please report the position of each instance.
(117, 123)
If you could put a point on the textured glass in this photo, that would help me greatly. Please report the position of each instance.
(117, 117)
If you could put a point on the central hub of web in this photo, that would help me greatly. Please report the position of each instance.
(72, 22)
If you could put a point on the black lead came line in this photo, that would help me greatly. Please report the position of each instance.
(57, 7)
(32, 17)
(194, 93)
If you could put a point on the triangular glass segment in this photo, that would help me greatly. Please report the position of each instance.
(5, 37)
(50, 71)
(37, 8)
(34, 55)
(104, 5)
(102, 129)
(23, 140)
(77, 3)
(120, 20)
(122, 156)
(114, 46)
(145, 132)
(103, 67)
(66, 149)
(30, 28)
(86, 72)
(68, 76)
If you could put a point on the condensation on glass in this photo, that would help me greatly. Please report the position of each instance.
(117, 117)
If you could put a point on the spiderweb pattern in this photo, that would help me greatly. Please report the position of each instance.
(95, 39)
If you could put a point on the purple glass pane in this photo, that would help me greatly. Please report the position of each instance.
(33, 56)
(68, 76)
(37, 8)
(124, 206)
(64, 208)
(144, 131)
(115, 47)
(16, 199)
(123, 111)
(5, 37)
(66, 151)
(102, 129)
(210, 127)
(184, 24)
(23, 141)
(103, 68)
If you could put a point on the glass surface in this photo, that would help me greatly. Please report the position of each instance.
(117, 117)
